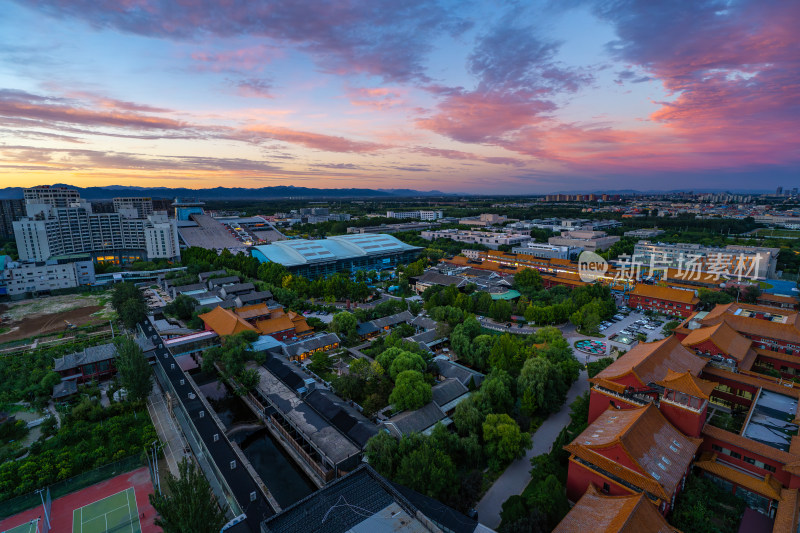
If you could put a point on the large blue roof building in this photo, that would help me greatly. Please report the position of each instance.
(315, 258)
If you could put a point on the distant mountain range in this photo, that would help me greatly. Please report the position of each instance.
(289, 191)
(230, 193)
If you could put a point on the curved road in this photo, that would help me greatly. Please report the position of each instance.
(517, 476)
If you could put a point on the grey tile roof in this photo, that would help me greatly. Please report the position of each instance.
(423, 322)
(363, 500)
(346, 418)
(66, 388)
(92, 354)
(314, 343)
(449, 369)
(203, 276)
(236, 288)
(415, 421)
(431, 277)
(253, 297)
(216, 282)
(314, 428)
(447, 391)
(393, 320)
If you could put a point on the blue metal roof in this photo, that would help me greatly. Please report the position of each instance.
(298, 252)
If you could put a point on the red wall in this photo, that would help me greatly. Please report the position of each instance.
(599, 402)
(708, 346)
(779, 474)
(664, 306)
(689, 422)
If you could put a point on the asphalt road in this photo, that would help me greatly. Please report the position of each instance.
(517, 476)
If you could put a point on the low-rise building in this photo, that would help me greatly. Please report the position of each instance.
(644, 233)
(589, 240)
(422, 214)
(491, 240)
(20, 278)
(315, 258)
(677, 302)
(548, 251)
(750, 262)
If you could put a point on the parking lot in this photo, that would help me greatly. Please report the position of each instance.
(650, 327)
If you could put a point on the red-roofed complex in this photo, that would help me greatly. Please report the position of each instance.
(666, 300)
(600, 513)
(706, 386)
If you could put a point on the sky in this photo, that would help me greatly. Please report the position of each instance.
(523, 97)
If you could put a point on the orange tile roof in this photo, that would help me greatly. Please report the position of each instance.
(778, 356)
(788, 331)
(778, 298)
(274, 325)
(786, 517)
(650, 361)
(225, 322)
(666, 293)
(702, 278)
(723, 336)
(564, 281)
(252, 311)
(756, 447)
(299, 321)
(768, 486)
(599, 513)
(755, 379)
(647, 438)
(688, 384)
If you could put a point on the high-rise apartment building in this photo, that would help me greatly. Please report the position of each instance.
(53, 196)
(10, 210)
(143, 206)
(51, 230)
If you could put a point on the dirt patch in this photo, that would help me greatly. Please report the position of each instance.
(50, 323)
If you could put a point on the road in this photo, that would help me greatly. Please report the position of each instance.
(517, 476)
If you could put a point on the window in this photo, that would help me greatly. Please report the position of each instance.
(716, 448)
(735, 455)
(606, 488)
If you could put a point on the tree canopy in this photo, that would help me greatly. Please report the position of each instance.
(133, 370)
(187, 504)
(411, 391)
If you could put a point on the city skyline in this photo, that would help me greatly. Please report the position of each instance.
(457, 97)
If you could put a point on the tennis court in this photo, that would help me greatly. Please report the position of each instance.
(116, 513)
(30, 527)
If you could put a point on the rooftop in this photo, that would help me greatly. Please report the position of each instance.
(660, 453)
(666, 293)
(599, 513)
(225, 322)
(297, 252)
(650, 362)
(92, 354)
(365, 502)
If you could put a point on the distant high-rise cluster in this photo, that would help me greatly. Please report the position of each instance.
(59, 223)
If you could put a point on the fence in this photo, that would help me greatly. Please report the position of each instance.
(81, 481)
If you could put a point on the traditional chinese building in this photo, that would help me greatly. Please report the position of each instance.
(677, 302)
(629, 513)
(707, 382)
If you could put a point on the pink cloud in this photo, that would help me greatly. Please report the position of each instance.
(375, 97)
(244, 59)
(318, 141)
(475, 117)
(459, 155)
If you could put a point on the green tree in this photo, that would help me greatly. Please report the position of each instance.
(344, 324)
(320, 363)
(132, 312)
(500, 310)
(467, 418)
(504, 440)
(382, 453)
(495, 394)
(410, 391)
(406, 361)
(187, 504)
(123, 292)
(182, 307)
(528, 281)
(133, 370)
